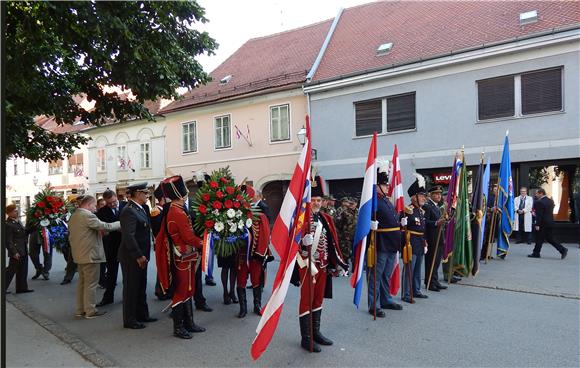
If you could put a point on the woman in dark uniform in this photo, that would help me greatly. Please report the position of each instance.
(16, 240)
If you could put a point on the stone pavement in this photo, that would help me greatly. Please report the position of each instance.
(516, 312)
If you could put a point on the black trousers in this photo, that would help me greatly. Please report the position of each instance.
(20, 269)
(34, 250)
(134, 293)
(111, 251)
(429, 260)
(71, 266)
(198, 295)
(545, 234)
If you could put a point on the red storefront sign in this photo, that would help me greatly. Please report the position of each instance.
(441, 178)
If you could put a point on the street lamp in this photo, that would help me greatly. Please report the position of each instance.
(302, 136)
(302, 139)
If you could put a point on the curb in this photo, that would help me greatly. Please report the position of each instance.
(523, 291)
(91, 355)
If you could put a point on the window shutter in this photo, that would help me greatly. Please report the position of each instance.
(401, 112)
(368, 117)
(542, 91)
(496, 98)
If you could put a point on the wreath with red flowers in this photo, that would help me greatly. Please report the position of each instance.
(223, 211)
(49, 214)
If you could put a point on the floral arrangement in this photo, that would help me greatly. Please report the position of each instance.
(223, 211)
(49, 214)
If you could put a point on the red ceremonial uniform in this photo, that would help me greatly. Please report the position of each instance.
(184, 254)
(259, 240)
(326, 257)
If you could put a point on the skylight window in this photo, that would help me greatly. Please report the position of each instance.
(528, 17)
(225, 79)
(384, 48)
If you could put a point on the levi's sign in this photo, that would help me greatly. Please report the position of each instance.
(441, 178)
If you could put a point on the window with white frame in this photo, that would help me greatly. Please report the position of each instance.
(518, 95)
(27, 167)
(37, 163)
(15, 162)
(55, 167)
(280, 123)
(189, 137)
(145, 155)
(388, 114)
(101, 160)
(223, 132)
(122, 158)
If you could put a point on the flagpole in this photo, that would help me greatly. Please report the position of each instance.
(450, 273)
(374, 263)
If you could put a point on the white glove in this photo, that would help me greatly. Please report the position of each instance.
(304, 254)
(425, 249)
(307, 240)
(374, 225)
(404, 221)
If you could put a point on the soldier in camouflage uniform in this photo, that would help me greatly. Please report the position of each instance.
(346, 224)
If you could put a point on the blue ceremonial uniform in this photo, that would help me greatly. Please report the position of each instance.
(388, 243)
(416, 227)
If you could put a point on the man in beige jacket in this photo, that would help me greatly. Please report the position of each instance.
(88, 253)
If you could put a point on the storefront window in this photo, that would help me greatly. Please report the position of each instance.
(562, 184)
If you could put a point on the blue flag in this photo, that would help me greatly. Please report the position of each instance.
(505, 201)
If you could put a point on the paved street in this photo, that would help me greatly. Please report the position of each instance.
(517, 312)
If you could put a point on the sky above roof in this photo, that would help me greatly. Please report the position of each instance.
(232, 23)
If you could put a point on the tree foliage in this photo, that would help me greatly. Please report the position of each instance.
(56, 51)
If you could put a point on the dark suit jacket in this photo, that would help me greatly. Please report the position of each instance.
(544, 208)
(432, 214)
(135, 233)
(105, 214)
(16, 238)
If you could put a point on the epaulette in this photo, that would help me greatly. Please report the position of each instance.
(408, 210)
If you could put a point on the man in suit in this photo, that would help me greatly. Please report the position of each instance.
(16, 239)
(434, 234)
(86, 246)
(259, 203)
(523, 219)
(111, 241)
(544, 208)
(134, 254)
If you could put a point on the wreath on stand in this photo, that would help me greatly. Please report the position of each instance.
(223, 214)
(49, 214)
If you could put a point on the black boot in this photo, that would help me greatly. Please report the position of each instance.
(318, 337)
(233, 297)
(243, 302)
(258, 300)
(37, 274)
(179, 315)
(188, 322)
(305, 333)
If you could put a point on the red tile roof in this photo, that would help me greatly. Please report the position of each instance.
(263, 63)
(426, 29)
(49, 123)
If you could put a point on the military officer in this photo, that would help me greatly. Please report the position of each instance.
(435, 223)
(415, 234)
(345, 219)
(134, 254)
(16, 239)
(325, 260)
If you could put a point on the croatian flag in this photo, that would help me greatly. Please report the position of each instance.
(292, 221)
(368, 205)
(395, 191)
